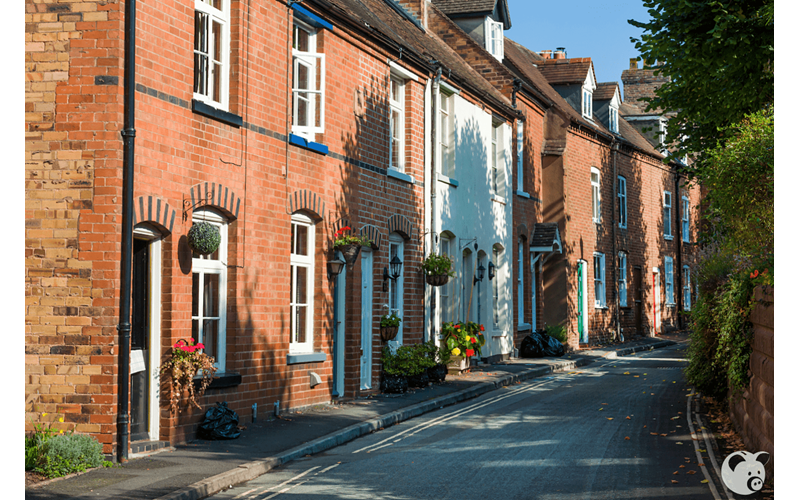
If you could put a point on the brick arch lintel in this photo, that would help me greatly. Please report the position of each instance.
(308, 202)
(374, 234)
(522, 230)
(401, 225)
(214, 194)
(155, 211)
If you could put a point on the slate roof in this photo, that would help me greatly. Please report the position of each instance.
(605, 91)
(464, 6)
(562, 71)
(545, 236)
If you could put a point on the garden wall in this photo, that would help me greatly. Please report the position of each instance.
(753, 415)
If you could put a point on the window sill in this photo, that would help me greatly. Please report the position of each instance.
(446, 180)
(499, 334)
(623, 227)
(204, 109)
(598, 222)
(671, 306)
(313, 357)
(221, 380)
(523, 327)
(522, 194)
(498, 199)
(306, 144)
(668, 238)
(605, 308)
(400, 176)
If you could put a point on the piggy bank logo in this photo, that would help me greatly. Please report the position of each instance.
(743, 473)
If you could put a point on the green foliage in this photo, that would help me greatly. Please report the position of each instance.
(390, 320)
(407, 360)
(34, 442)
(720, 58)
(433, 354)
(463, 338)
(204, 238)
(719, 353)
(68, 453)
(739, 206)
(344, 237)
(437, 265)
(558, 332)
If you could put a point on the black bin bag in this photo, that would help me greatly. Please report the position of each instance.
(533, 345)
(554, 348)
(220, 423)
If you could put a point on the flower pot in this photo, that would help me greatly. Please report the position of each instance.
(394, 384)
(389, 332)
(457, 364)
(436, 279)
(437, 373)
(350, 253)
(419, 380)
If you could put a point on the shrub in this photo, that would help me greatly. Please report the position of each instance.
(407, 360)
(204, 238)
(558, 332)
(68, 453)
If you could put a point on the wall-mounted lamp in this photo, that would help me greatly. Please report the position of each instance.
(335, 267)
(396, 266)
(491, 270)
(479, 274)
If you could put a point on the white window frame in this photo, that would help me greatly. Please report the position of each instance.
(205, 79)
(622, 197)
(669, 281)
(307, 262)
(315, 62)
(622, 269)
(596, 198)
(586, 106)
(397, 106)
(613, 120)
(667, 215)
(685, 219)
(206, 264)
(397, 247)
(446, 136)
(599, 264)
(687, 289)
(494, 36)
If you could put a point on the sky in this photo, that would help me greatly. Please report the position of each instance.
(586, 28)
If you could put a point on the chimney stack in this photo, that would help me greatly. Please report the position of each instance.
(560, 53)
(546, 53)
(417, 8)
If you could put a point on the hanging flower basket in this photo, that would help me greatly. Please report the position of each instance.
(204, 238)
(436, 279)
(389, 332)
(350, 253)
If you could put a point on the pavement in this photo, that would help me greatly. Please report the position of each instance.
(202, 468)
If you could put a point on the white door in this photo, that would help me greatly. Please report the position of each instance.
(366, 318)
(534, 262)
(656, 301)
(583, 302)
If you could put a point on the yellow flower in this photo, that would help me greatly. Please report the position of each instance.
(44, 414)
(61, 431)
(468, 337)
(61, 419)
(456, 351)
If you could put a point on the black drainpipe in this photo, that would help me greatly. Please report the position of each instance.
(128, 135)
(679, 247)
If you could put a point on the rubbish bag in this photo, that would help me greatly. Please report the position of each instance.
(220, 423)
(533, 345)
(554, 348)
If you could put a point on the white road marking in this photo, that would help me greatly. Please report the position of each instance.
(697, 450)
(273, 487)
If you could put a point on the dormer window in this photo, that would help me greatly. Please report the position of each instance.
(586, 109)
(613, 120)
(494, 38)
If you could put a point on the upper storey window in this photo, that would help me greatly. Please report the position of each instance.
(494, 38)
(211, 41)
(308, 83)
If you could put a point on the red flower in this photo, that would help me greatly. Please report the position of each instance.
(481, 327)
(470, 352)
(201, 346)
(457, 326)
(754, 274)
(472, 339)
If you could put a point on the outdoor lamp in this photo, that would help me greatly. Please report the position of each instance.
(396, 265)
(479, 274)
(335, 267)
(491, 270)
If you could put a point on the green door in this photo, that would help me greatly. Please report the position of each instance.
(583, 335)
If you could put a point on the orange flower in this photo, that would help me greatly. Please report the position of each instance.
(754, 274)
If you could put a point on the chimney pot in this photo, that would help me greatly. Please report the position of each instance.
(545, 53)
(634, 63)
(559, 53)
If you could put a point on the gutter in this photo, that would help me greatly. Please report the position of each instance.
(126, 261)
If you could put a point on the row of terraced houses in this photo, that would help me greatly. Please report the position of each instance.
(415, 122)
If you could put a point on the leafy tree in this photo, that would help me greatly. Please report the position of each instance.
(719, 56)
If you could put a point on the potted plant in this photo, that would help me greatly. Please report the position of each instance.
(393, 379)
(204, 238)
(437, 269)
(390, 324)
(438, 358)
(421, 361)
(349, 244)
(183, 363)
(464, 340)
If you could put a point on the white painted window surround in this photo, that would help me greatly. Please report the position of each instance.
(301, 302)
(397, 123)
(212, 52)
(687, 289)
(669, 281)
(622, 269)
(494, 37)
(622, 197)
(667, 215)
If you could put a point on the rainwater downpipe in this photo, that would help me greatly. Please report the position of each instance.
(679, 248)
(614, 222)
(128, 137)
(435, 132)
(430, 238)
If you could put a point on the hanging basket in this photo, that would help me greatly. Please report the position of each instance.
(389, 332)
(436, 279)
(204, 238)
(350, 253)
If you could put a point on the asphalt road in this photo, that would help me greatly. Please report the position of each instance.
(617, 429)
